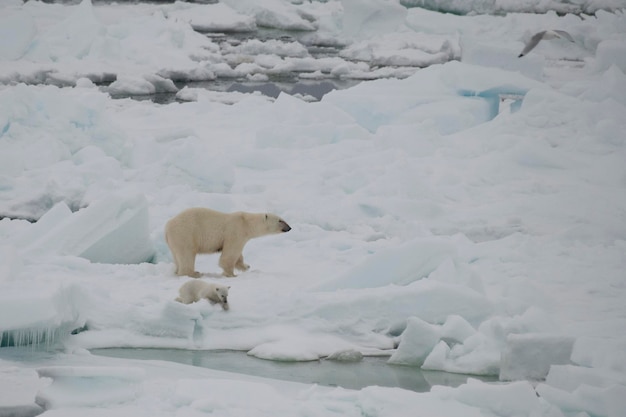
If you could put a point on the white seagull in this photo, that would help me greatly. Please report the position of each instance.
(544, 34)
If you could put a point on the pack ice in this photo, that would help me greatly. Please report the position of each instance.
(465, 217)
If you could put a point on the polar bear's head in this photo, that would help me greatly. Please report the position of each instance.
(275, 224)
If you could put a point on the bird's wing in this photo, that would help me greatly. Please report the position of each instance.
(536, 38)
(564, 34)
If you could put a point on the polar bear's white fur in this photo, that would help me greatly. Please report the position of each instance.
(196, 290)
(201, 230)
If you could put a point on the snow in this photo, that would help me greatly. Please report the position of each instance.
(462, 211)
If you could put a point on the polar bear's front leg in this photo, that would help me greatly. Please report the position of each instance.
(186, 265)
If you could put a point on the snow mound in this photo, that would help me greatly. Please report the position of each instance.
(42, 316)
(402, 265)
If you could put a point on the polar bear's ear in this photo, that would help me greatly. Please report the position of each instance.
(266, 216)
(228, 288)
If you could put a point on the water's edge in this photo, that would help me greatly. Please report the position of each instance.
(351, 375)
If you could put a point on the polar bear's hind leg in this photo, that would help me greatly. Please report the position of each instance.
(241, 265)
(186, 264)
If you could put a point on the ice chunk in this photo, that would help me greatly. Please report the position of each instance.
(478, 355)
(438, 357)
(216, 17)
(529, 356)
(16, 33)
(454, 6)
(88, 386)
(298, 345)
(417, 341)
(349, 355)
(141, 85)
(285, 350)
(480, 352)
(272, 13)
(85, 83)
(456, 329)
(404, 49)
(111, 230)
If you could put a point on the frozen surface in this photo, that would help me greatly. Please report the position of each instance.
(462, 216)
(88, 386)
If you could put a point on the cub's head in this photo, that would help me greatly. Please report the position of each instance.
(222, 293)
(275, 224)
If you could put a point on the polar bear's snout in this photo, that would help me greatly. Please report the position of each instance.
(284, 227)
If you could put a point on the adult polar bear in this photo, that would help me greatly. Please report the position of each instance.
(202, 230)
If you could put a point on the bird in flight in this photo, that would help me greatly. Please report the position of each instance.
(544, 34)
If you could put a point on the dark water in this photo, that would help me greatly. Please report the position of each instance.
(308, 88)
(288, 82)
(352, 375)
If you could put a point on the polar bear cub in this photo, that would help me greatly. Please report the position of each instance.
(202, 230)
(196, 290)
